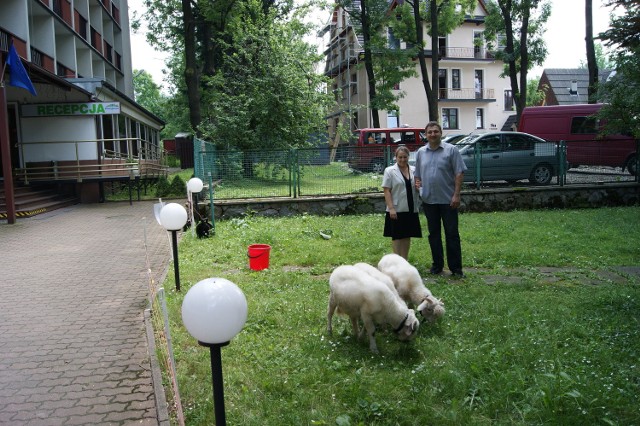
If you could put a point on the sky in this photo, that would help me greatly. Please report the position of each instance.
(564, 37)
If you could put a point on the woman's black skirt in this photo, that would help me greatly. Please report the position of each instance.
(407, 225)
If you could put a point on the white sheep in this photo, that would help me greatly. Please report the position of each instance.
(380, 276)
(410, 287)
(356, 294)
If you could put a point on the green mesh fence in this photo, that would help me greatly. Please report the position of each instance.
(323, 171)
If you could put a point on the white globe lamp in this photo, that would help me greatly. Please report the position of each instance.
(214, 310)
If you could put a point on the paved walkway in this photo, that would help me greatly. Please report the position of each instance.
(73, 290)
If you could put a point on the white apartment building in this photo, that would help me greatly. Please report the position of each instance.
(472, 95)
(82, 127)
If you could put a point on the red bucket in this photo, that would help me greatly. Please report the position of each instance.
(259, 256)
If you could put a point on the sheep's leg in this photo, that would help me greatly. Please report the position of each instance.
(370, 328)
(330, 310)
(354, 326)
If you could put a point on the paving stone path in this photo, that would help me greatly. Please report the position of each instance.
(73, 290)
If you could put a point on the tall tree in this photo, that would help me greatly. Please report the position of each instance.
(622, 92)
(521, 23)
(385, 64)
(241, 69)
(439, 17)
(592, 63)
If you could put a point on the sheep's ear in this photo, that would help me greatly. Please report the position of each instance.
(422, 305)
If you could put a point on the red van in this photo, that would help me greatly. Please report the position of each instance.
(368, 146)
(577, 125)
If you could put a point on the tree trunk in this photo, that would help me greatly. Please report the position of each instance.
(592, 63)
(368, 62)
(191, 72)
(422, 59)
(524, 66)
(510, 57)
(435, 66)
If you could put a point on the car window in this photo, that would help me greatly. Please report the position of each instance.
(490, 143)
(373, 138)
(408, 138)
(518, 143)
(583, 125)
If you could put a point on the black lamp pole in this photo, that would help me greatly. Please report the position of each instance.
(216, 378)
(176, 268)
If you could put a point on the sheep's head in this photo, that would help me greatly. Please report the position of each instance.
(431, 308)
(409, 327)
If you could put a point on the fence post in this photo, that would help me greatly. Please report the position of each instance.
(562, 167)
(294, 171)
(477, 159)
(213, 213)
(637, 160)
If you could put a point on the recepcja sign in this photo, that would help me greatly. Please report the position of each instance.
(82, 108)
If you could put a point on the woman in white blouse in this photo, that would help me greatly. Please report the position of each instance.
(402, 221)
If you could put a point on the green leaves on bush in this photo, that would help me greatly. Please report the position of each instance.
(176, 188)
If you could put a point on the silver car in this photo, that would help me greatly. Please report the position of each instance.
(510, 156)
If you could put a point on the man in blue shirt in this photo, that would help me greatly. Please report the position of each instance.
(439, 175)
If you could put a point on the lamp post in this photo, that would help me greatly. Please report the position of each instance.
(172, 218)
(214, 310)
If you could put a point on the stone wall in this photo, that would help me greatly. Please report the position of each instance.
(624, 194)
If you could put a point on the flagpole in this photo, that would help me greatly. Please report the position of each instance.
(5, 149)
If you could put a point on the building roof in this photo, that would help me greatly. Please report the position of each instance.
(567, 85)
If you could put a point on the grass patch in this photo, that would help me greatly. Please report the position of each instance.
(527, 353)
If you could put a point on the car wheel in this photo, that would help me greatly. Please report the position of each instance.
(377, 166)
(632, 165)
(541, 174)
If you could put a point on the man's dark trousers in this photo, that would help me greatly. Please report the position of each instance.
(437, 213)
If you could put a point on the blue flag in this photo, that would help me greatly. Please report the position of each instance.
(18, 75)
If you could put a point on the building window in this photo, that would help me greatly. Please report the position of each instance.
(508, 100)
(396, 86)
(354, 83)
(450, 118)
(442, 47)
(478, 45)
(392, 119)
(442, 83)
(455, 79)
(392, 41)
(479, 118)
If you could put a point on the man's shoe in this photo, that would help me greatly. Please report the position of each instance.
(457, 274)
(435, 271)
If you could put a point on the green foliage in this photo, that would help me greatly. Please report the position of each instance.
(257, 81)
(602, 60)
(621, 93)
(162, 188)
(178, 186)
(522, 23)
(520, 349)
(534, 96)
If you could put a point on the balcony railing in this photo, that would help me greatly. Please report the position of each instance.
(146, 162)
(466, 94)
(465, 53)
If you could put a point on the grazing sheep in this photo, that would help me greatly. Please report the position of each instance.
(357, 294)
(377, 274)
(410, 287)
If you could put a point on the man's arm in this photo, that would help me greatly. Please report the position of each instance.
(455, 200)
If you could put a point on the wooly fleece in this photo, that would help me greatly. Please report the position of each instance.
(358, 295)
(410, 286)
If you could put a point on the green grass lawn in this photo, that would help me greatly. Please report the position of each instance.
(524, 353)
